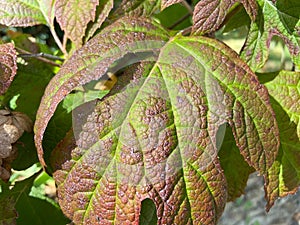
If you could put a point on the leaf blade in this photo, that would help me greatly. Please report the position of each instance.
(72, 74)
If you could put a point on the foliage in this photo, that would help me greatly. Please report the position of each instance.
(167, 121)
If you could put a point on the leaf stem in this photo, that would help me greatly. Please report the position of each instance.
(188, 7)
(57, 41)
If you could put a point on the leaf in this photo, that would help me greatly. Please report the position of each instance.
(135, 35)
(285, 89)
(155, 137)
(138, 7)
(102, 12)
(272, 20)
(21, 13)
(73, 17)
(18, 200)
(8, 66)
(235, 168)
(283, 178)
(167, 3)
(209, 14)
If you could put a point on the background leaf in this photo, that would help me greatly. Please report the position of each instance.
(73, 17)
(235, 168)
(167, 3)
(21, 13)
(8, 66)
(209, 14)
(285, 89)
(29, 210)
(102, 12)
(272, 19)
(283, 178)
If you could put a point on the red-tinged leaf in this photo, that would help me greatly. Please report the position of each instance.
(8, 66)
(209, 14)
(138, 7)
(21, 13)
(167, 3)
(91, 63)
(155, 137)
(278, 19)
(283, 178)
(73, 17)
(102, 12)
(285, 89)
(128, 167)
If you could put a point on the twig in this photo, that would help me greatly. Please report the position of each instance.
(41, 54)
(179, 21)
(38, 56)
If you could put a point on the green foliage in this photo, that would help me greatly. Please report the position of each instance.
(150, 119)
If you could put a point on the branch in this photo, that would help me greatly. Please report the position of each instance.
(39, 56)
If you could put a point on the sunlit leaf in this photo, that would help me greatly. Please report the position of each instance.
(93, 61)
(209, 14)
(283, 178)
(277, 19)
(155, 137)
(8, 66)
(285, 89)
(21, 13)
(73, 17)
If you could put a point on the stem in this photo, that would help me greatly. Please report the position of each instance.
(39, 56)
(57, 41)
(179, 21)
(188, 7)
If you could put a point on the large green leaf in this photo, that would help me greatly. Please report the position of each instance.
(283, 178)
(8, 66)
(209, 14)
(22, 12)
(278, 19)
(73, 17)
(155, 137)
(285, 89)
